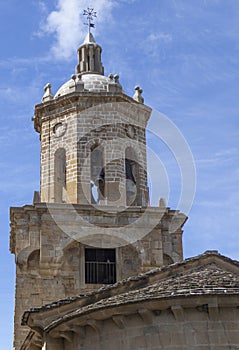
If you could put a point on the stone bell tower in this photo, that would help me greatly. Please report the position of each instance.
(92, 138)
(91, 223)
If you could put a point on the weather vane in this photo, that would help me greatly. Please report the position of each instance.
(90, 15)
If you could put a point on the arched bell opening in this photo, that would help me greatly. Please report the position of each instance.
(132, 177)
(97, 174)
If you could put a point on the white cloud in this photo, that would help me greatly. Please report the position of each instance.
(66, 23)
(224, 156)
(42, 7)
(157, 37)
(154, 43)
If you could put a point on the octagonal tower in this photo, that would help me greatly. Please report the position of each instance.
(93, 147)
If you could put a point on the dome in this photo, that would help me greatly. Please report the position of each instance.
(92, 83)
(89, 73)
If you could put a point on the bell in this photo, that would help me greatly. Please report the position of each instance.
(100, 178)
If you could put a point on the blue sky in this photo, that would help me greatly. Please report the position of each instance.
(184, 54)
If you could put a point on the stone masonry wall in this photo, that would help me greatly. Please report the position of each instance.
(76, 125)
(162, 330)
(49, 241)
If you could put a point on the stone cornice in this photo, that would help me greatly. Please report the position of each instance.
(78, 101)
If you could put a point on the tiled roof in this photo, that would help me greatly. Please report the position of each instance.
(176, 280)
(203, 280)
(209, 280)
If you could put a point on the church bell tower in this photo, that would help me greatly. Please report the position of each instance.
(91, 223)
(92, 138)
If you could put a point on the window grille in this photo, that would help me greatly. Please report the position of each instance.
(100, 266)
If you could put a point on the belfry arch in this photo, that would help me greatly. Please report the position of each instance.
(131, 176)
(97, 173)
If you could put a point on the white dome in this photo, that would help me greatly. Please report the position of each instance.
(92, 82)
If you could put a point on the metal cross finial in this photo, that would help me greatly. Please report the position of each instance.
(90, 14)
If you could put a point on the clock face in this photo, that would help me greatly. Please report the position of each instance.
(130, 131)
(59, 129)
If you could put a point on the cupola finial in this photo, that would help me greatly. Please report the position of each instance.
(89, 53)
(90, 14)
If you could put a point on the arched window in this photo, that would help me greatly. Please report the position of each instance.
(132, 176)
(60, 175)
(97, 174)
